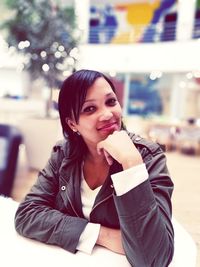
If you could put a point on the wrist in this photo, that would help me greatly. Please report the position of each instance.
(131, 162)
(102, 236)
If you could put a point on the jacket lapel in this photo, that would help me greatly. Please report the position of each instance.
(107, 188)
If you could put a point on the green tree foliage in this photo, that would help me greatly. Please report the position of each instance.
(45, 32)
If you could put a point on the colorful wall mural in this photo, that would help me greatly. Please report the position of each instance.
(196, 28)
(198, 4)
(130, 21)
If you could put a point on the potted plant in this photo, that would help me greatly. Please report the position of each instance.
(45, 33)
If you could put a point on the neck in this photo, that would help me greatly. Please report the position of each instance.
(93, 157)
(95, 169)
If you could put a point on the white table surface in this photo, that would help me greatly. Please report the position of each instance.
(17, 251)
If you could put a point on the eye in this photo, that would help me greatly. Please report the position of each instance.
(111, 101)
(89, 109)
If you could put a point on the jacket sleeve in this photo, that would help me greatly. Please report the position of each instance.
(37, 217)
(145, 216)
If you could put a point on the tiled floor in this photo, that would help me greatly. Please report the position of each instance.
(185, 172)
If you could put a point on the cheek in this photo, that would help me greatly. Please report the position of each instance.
(118, 110)
(86, 124)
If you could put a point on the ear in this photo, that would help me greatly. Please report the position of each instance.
(71, 124)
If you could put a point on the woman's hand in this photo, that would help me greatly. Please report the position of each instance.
(120, 147)
(110, 239)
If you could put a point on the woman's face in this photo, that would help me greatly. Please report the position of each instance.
(100, 114)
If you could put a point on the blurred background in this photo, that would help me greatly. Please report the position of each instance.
(150, 49)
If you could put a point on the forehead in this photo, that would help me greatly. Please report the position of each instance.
(100, 86)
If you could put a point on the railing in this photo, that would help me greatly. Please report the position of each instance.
(137, 34)
(159, 32)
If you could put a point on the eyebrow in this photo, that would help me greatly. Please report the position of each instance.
(107, 95)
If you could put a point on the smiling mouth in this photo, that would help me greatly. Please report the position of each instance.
(110, 127)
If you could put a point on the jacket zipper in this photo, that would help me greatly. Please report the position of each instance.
(100, 202)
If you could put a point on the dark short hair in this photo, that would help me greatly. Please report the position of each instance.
(73, 93)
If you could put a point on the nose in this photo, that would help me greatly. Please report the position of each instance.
(105, 114)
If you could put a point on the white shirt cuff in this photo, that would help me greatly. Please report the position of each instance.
(128, 179)
(88, 238)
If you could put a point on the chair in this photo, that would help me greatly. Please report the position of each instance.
(10, 139)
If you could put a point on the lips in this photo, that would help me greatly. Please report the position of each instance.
(109, 127)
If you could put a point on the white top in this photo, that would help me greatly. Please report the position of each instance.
(87, 197)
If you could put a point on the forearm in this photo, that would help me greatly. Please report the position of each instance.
(147, 233)
(110, 239)
(48, 225)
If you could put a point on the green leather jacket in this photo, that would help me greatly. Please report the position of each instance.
(52, 211)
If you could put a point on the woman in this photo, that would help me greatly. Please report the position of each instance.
(102, 185)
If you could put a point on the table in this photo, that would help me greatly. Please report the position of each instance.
(18, 251)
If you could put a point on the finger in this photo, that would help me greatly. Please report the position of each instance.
(108, 157)
(99, 148)
(99, 151)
